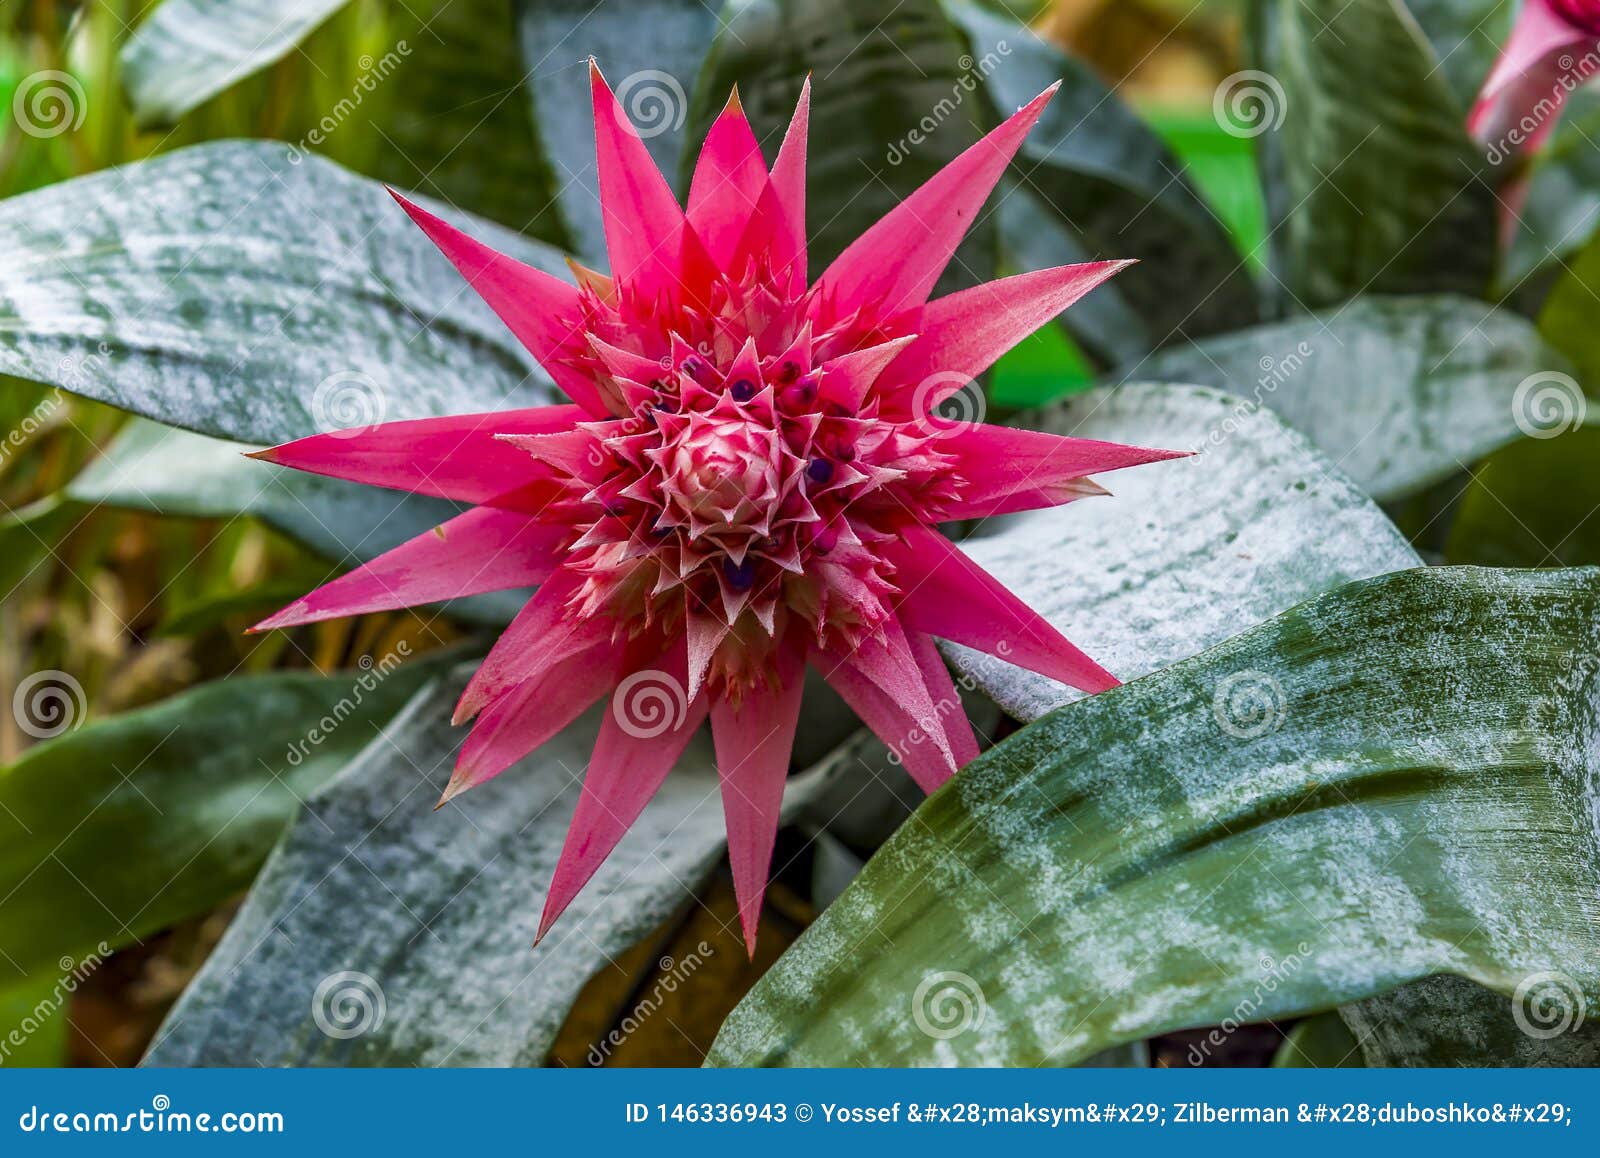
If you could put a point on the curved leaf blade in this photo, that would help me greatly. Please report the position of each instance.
(1450, 1021)
(459, 126)
(449, 903)
(1532, 505)
(891, 106)
(1401, 392)
(653, 74)
(155, 468)
(1466, 36)
(1562, 208)
(1372, 187)
(1421, 744)
(229, 290)
(1184, 553)
(116, 830)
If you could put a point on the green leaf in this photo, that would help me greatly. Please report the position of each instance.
(449, 904)
(189, 50)
(1185, 553)
(118, 829)
(1103, 323)
(650, 51)
(229, 290)
(1111, 185)
(1390, 781)
(215, 609)
(1222, 165)
(1532, 504)
(892, 102)
(1450, 1021)
(1372, 187)
(165, 471)
(1400, 392)
(1535, 503)
(175, 473)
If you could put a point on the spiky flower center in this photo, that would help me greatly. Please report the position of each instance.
(748, 477)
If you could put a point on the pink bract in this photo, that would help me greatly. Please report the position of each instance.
(747, 481)
(1554, 48)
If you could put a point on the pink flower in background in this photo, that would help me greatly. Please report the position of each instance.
(747, 480)
(1554, 49)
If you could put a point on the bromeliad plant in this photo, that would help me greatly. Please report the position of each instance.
(748, 480)
(1328, 756)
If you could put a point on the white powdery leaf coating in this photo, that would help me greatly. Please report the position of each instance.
(1402, 819)
(217, 288)
(447, 902)
(1185, 553)
(1399, 392)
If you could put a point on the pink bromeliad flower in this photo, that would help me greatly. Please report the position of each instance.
(747, 480)
(1552, 52)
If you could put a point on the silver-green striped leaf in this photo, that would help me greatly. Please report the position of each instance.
(230, 290)
(1388, 782)
(1401, 392)
(448, 904)
(1185, 553)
